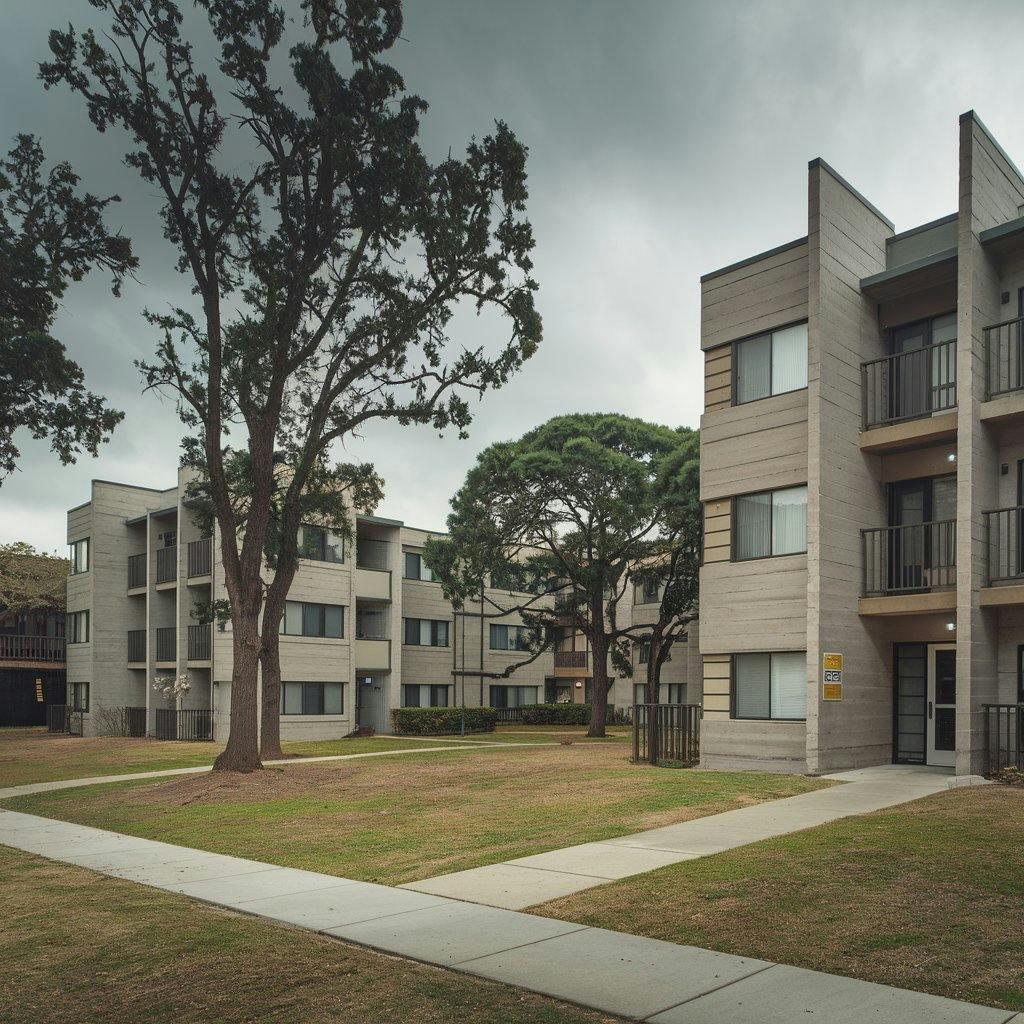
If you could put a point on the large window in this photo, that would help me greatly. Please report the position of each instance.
(79, 696)
(312, 698)
(304, 619)
(321, 544)
(770, 523)
(426, 632)
(78, 553)
(415, 568)
(509, 638)
(645, 652)
(513, 696)
(426, 695)
(771, 364)
(77, 627)
(770, 685)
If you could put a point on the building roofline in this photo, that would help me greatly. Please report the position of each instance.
(948, 219)
(1005, 230)
(883, 277)
(821, 162)
(378, 520)
(134, 487)
(752, 259)
(991, 138)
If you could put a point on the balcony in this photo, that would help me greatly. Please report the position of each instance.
(373, 554)
(907, 398)
(909, 569)
(200, 642)
(1004, 544)
(166, 645)
(373, 655)
(1004, 370)
(167, 564)
(136, 647)
(37, 649)
(137, 571)
(200, 558)
(570, 659)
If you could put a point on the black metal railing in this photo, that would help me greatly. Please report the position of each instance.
(166, 641)
(133, 721)
(373, 554)
(136, 571)
(64, 718)
(188, 724)
(14, 647)
(1004, 736)
(136, 645)
(167, 564)
(1004, 357)
(200, 557)
(1004, 544)
(666, 733)
(200, 642)
(908, 385)
(905, 559)
(509, 714)
(570, 659)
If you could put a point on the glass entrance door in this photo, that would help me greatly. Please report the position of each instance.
(942, 704)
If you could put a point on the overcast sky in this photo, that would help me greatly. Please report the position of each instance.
(666, 139)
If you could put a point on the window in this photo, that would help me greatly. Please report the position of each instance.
(770, 685)
(648, 591)
(79, 696)
(673, 693)
(77, 627)
(415, 569)
(304, 619)
(426, 633)
(513, 696)
(645, 652)
(312, 698)
(78, 552)
(321, 544)
(770, 364)
(426, 695)
(509, 638)
(770, 523)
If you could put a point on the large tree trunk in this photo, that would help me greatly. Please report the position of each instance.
(242, 752)
(599, 708)
(654, 667)
(270, 722)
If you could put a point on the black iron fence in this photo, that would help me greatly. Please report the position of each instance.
(136, 571)
(64, 718)
(908, 385)
(136, 645)
(666, 733)
(1003, 542)
(188, 724)
(133, 721)
(1004, 736)
(200, 557)
(167, 564)
(166, 641)
(570, 659)
(199, 642)
(1004, 357)
(904, 559)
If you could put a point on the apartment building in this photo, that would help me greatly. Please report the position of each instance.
(364, 630)
(862, 470)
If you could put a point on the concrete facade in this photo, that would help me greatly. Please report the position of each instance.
(908, 437)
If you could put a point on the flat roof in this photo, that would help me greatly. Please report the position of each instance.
(378, 520)
(876, 283)
(752, 259)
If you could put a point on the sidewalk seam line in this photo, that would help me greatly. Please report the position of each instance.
(523, 945)
(711, 991)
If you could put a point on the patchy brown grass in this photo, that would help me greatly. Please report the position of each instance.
(395, 820)
(80, 947)
(924, 896)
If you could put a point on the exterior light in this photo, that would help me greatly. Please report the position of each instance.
(579, 685)
(951, 457)
(951, 627)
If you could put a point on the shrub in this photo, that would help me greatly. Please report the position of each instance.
(556, 714)
(441, 721)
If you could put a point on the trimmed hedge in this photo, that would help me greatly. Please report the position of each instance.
(556, 714)
(441, 721)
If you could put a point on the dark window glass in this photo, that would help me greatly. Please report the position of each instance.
(312, 698)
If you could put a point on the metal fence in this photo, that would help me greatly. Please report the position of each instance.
(188, 724)
(570, 659)
(166, 643)
(1003, 540)
(200, 557)
(133, 721)
(15, 647)
(373, 554)
(1004, 357)
(136, 645)
(200, 642)
(136, 571)
(666, 733)
(63, 718)
(509, 714)
(167, 564)
(1004, 736)
(902, 559)
(908, 385)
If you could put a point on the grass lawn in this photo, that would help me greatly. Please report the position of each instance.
(397, 819)
(34, 755)
(80, 947)
(925, 896)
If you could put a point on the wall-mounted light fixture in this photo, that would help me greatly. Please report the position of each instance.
(951, 627)
(951, 457)
(579, 685)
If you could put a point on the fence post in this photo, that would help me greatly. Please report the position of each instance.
(653, 735)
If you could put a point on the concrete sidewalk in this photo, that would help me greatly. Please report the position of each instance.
(626, 975)
(527, 881)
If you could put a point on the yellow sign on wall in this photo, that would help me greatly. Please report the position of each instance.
(40, 699)
(832, 661)
(832, 691)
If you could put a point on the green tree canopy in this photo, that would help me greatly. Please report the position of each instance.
(31, 579)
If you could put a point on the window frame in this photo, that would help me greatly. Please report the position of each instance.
(732, 688)
(76, 703)
(433, 687)
(422, 565)
(321, 555)
(434, 624)
(512, 686)
(735, 369)
(73, 636)
(518, 627)
(303, 605)
(734, 523)
(73, 557)
(322, 685)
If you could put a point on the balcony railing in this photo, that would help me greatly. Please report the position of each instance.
(1004, 357)
(136, 645)
(31, 648)
(136, 571)
(187, 724)
(200, 642)
(909, 385)
(372, 554)
(909, 559)
(1004, 736)
(200, 557)
(373, 625)
(1005, 544)
(570, 659)
(167, 564)
(166, 643)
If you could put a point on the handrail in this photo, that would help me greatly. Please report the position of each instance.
(908, 385)
(906, 559)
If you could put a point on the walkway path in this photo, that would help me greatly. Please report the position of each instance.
(527, 881)
(633, 977)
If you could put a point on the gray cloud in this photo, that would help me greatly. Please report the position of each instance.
(666, 138)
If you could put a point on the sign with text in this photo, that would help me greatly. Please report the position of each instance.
(832, 677)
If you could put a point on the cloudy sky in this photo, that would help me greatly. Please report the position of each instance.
(667, 138)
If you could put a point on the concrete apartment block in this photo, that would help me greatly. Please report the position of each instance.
(883, 629)
(395, 642)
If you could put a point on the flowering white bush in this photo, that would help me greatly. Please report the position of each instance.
(171, 689)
